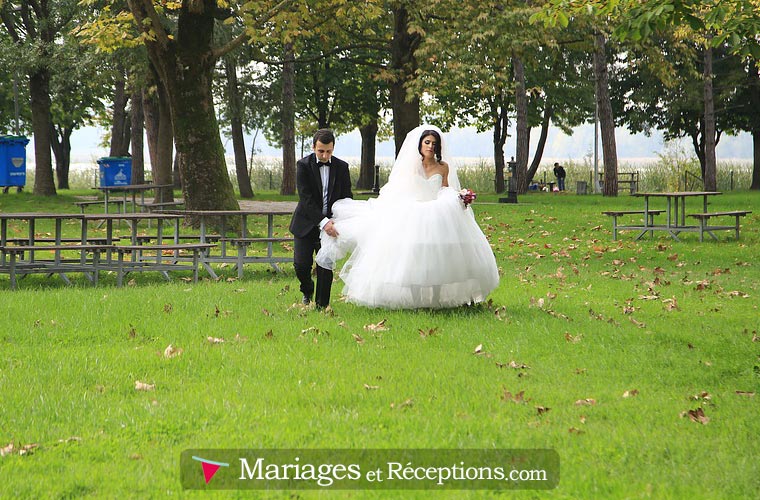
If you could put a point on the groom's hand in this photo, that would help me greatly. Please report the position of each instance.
(330, 229)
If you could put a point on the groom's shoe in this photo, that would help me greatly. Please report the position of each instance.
(306, 300)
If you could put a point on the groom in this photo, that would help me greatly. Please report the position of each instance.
(321, 180)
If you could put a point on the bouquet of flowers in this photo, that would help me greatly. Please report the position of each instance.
(467, 196)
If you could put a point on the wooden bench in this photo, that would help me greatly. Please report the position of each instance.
(630, 179)
(143, 239)
(618, 213)
(84, 204)
(58, 265)
(162, 205)
(160, 262)
(243, 243)
(704, 219)
(97, 240)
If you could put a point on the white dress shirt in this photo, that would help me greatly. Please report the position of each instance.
(324, 172)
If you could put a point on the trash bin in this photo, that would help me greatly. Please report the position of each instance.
(115, 171)
(581, 187)
(13, 160)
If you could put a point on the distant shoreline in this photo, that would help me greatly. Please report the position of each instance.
(80, 164)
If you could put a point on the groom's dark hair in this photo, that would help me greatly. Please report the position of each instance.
(323, 135)
(437, 136)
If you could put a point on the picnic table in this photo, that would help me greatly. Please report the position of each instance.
(241, 242)
(19, 256)
(158, 252)
(675, 215)
(131, 190)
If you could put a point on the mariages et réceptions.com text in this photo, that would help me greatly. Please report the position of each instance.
(327, 474)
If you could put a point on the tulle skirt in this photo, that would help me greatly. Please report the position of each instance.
(410, 254)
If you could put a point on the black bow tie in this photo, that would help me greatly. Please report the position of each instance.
(323, 164)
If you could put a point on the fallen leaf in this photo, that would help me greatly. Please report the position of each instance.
(631, 393)
(142, 386)
(697, 415)
(171, 352)
(168, 308)
(585, 402)
(703, 396)
(572, 339)
(702, 285)
(513, 364)
(516, 398)
(745, 393)
(7, 450)
(269, 335)
(266, 312)
(649, 297)
(428, 332)
(358, 338)
(405, 404)
(638, 323)
(215, 340)
(371, 387)
(673, 257)
(573, 430)
(671, 304)
(542, 409)
(377, 327)
(478, 349)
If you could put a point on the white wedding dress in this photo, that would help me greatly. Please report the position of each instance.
(414, 247)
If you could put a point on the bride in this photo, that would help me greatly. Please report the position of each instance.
(416, 245)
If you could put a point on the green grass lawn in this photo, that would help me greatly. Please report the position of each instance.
(614, 342)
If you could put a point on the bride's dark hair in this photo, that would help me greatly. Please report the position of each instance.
(437, 136)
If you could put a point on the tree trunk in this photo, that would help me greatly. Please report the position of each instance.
(698, 142)
(367, 168)
(710, 179)
(185, 65)
(753, 78)
(288, 123)
(498, 159)
(406, 109)
(119, 146)
(533, 168)
(158, 124)
(236, 127)
(606, 120)
(39, 91)
(137, 130)
(523, 138)
(60, 142)
(500, 126)
(756, 159)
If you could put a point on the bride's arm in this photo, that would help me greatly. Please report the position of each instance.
(445, 173)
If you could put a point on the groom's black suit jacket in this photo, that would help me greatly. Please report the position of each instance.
(308, 213)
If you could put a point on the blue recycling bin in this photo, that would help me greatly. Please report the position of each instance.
(13, 160)
(115, 171)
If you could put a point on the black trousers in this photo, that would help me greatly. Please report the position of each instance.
(303, 260)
